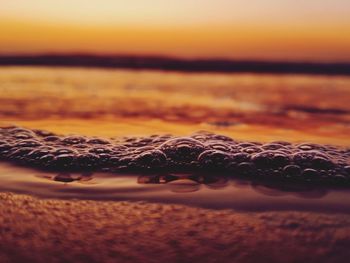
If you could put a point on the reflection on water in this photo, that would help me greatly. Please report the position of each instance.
(191, 183)
(185, 183)
(114, 103)
(215, 192)
(68, 178)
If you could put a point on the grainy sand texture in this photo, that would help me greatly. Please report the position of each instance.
(43, 230)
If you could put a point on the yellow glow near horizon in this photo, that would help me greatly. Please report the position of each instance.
(261, 29)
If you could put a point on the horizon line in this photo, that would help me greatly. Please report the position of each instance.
(173, 63)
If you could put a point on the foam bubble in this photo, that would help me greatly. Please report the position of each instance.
(203, 152)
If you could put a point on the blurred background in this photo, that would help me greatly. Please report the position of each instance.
(257, 70)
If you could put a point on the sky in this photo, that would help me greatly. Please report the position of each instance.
(316, 30)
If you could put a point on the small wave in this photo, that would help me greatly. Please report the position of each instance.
(203, 152)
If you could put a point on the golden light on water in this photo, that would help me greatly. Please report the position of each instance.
(112, 103)
(62, 71)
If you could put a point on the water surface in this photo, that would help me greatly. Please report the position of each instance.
(116, 103)
(215, 192)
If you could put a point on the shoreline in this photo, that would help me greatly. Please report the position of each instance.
(178, 64)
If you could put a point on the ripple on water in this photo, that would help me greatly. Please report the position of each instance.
(203, 169)
(214, 191)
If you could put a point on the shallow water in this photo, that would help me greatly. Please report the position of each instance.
(116, 103)
(216, 192)
(124, 102)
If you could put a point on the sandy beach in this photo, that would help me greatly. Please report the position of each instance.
(44, 230)
(175, 131)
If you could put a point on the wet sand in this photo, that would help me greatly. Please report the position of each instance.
(43, 230)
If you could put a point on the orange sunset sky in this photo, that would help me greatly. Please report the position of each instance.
(316, 30)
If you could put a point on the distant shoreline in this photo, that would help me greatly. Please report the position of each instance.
(177, 64)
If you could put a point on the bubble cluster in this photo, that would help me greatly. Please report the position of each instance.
(201, 152)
